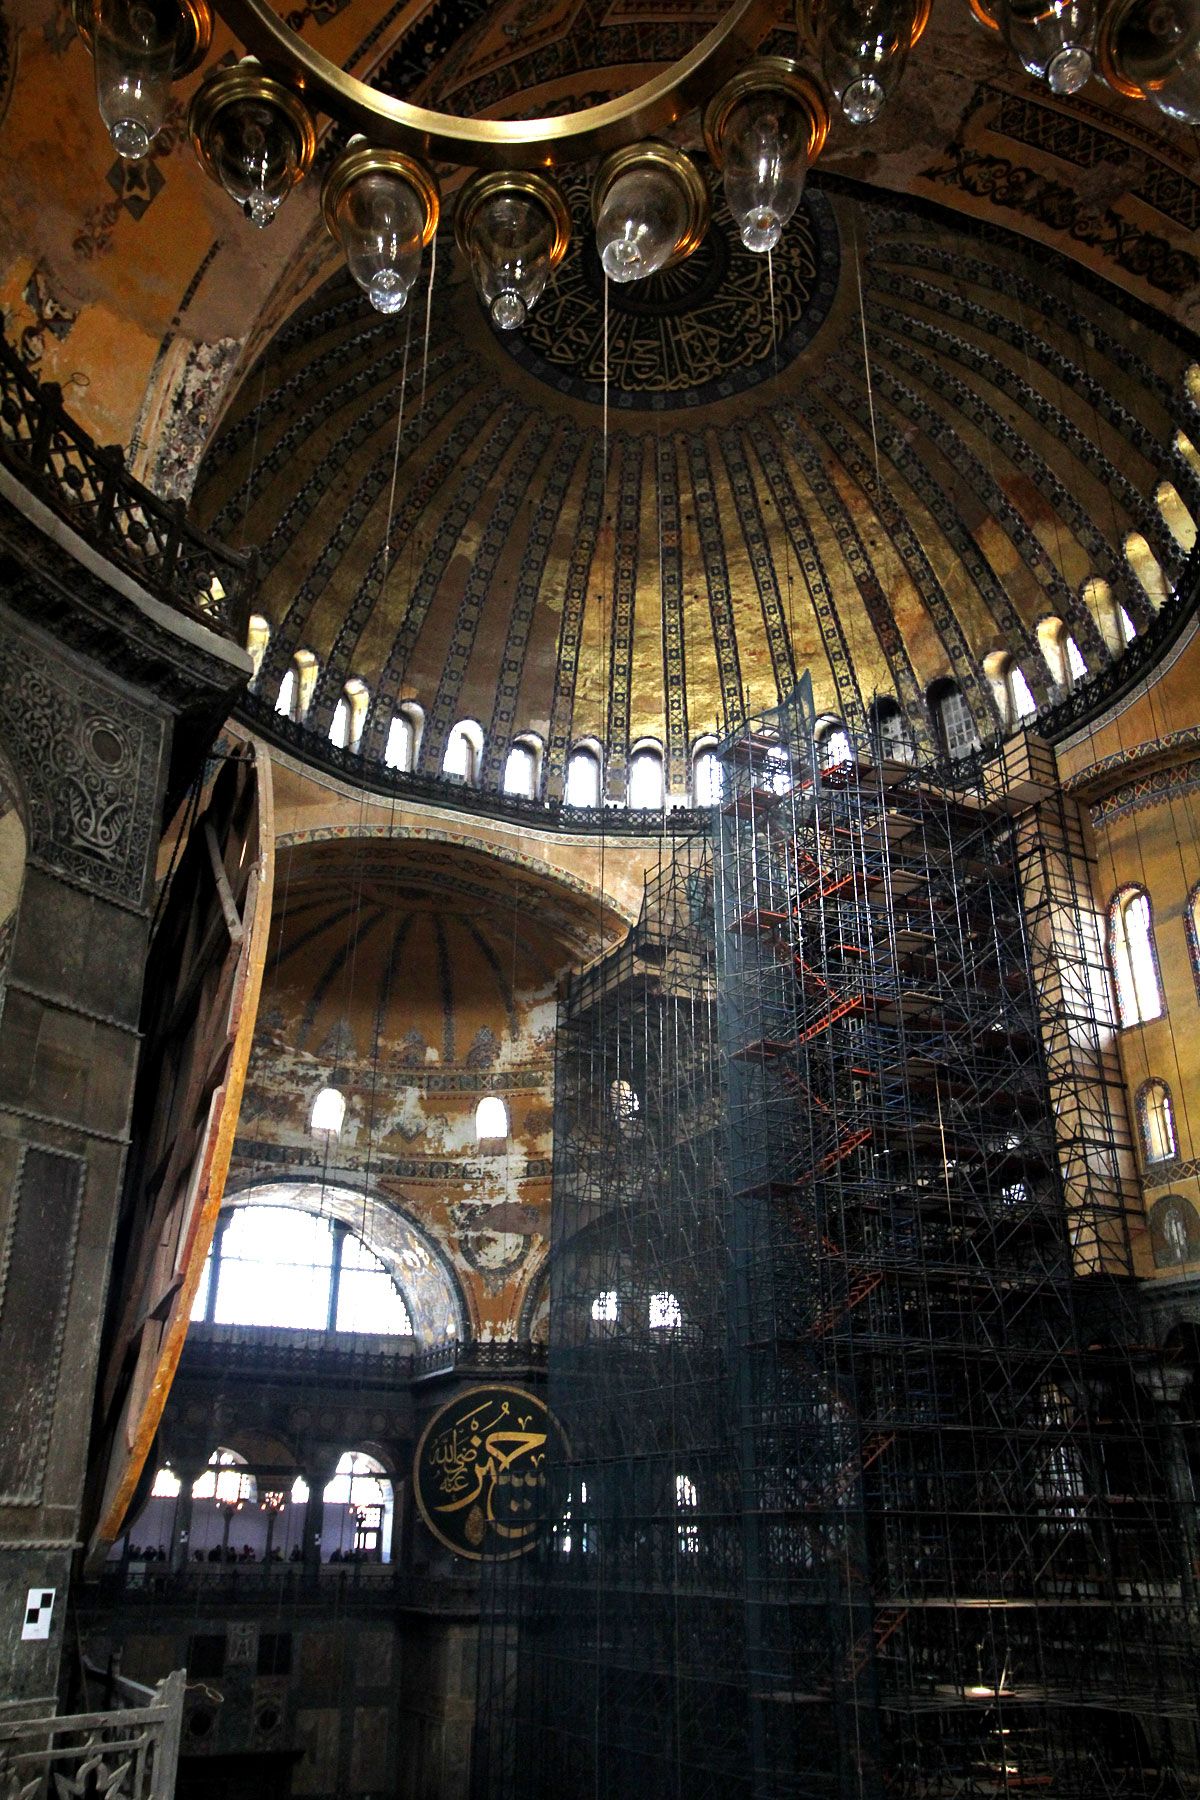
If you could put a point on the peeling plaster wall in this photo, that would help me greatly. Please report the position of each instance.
(416, 979)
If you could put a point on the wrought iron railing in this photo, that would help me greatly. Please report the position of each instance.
(370, 1586)
(263, 1353)
(131, 1754)
(439, 790)
(90, 489)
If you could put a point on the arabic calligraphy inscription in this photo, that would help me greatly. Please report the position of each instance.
(480, 1470)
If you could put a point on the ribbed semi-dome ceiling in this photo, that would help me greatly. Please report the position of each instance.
(371, 940)
(929, 443)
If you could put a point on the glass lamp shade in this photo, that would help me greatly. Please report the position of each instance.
(510, 241)
(1054, 42)
(1154, 46)
(642, 218)
(134, 46)
(765, 150)
(256, 153)
(380, 221)
(864, 49)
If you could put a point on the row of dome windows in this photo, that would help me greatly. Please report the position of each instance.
(463, 755)
(328, 1115)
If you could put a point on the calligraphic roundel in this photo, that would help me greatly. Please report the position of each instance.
(479, 1473)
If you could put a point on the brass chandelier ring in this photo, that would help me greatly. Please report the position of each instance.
(502, 143)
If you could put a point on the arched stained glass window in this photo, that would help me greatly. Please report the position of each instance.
(1156, 1120)
(1191, 924)
(1134, 961)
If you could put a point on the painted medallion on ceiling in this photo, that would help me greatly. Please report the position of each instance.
(706, 330)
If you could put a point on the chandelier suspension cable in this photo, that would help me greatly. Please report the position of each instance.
(262, 382)
(428, 315)
(387, 530)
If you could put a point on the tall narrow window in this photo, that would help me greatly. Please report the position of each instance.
(1063, 656)
(1012, 694)
(1134, 962)
(1191, 920)
(398, 751)
(583, 779)
(833, 743)
(706, 776)
(258, 636)
(521, 769)
(349, 715)
(890, 730)
(1177, 518)
(646, 779)
(296, 688)
(1146, 567)
(956, 726)
(1156, 1118)
(464, 752)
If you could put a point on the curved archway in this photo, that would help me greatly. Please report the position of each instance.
(413, 1258)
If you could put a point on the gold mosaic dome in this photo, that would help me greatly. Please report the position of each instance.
(889, 459)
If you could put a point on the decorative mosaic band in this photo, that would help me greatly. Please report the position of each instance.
(674, 635)
(625, 565)
(838, 517)
(471, 487)
(514, 494)
(716, 573)
(579, 571)
(559, 474)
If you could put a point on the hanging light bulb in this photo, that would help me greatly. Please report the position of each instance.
(138, 48)
(382, 207)
(1150, 49)
(863, 46)
(253, 135)
(763, 130)
(650, 208)
(514, 230)
(1054, 39)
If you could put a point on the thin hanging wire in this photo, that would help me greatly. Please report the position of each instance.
(428, 316)
(262, 382)
(387, 534)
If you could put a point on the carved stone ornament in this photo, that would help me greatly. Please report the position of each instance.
(88, 759)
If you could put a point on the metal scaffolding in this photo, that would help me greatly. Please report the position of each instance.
(872, 1485)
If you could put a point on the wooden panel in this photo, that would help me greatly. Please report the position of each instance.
(202, 988)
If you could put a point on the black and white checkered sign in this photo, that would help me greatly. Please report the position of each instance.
(38, 1608)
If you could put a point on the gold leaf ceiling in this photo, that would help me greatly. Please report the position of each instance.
(883, 493)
